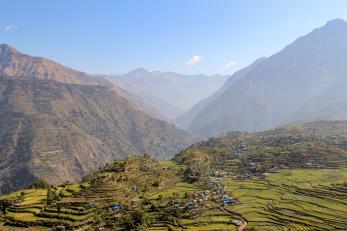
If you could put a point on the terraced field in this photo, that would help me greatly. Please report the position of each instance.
(153, 196)
(301, 199)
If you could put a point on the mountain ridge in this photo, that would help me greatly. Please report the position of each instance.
(278, 86)
(170, 93)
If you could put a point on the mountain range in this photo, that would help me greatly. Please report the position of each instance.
(170, 93)
(58, 124)
(303, 82)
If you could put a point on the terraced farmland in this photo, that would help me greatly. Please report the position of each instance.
(143, 194)
(300, 199)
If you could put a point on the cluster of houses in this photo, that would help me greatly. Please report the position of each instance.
(199, 200)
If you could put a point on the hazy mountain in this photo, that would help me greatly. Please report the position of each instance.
(186, 119)
(56, 128)
(170, 93)
(283, 87)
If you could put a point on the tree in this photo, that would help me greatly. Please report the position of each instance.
(128, 223)
(40, 184)
(140, 218)
(156, 183)
(59, 210)
(4, 204)
(21, 197)
(49, 196)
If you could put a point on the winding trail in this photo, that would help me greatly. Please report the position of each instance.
(244, 223)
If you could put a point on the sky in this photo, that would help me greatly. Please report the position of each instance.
(186, 36)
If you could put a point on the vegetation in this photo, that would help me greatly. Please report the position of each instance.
(219, 184)
(121, 198)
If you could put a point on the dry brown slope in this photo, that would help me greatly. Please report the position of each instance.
(58, 132)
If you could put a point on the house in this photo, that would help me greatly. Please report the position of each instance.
(116, 207)
(222, 190)
(191, 205)
(92, 203)
(247, 174)
(273, 170)
(228, 200)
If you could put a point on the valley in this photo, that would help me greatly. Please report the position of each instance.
(188, 115)
(211, 185)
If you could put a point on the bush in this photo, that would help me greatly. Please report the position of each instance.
(40, 184)
(156, 183)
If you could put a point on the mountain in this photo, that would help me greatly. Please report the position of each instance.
(276, 89)
(64, 124)
(61, 132)
(15, 63)
(170, 93)
(186, 118)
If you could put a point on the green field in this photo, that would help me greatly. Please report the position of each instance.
(291, 199)
(300, 199)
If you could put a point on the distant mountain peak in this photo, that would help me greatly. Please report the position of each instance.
(336, 25)
(14, 63)
(139, 70)
(336, 21)
(7, 49)
(305, 80)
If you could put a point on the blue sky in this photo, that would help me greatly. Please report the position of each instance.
(187, 36)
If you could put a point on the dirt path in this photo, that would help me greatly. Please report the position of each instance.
(243, 224)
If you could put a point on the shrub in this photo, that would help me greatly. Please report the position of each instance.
(40, 184)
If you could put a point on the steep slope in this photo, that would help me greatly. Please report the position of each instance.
(331, 104)
(276, 88)
(15, 63)
(170, 93)
(59, 132)
(186, 119)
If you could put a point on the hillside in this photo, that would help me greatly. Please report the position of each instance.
(299, 83)
(170, 93)
(184, 120)
(318, 144)
(60, 132)
(15, 63)
(139, 193)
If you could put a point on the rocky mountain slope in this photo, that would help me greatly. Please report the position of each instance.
(15, 63)
(59, 132)
(283, 87)
(59, 124)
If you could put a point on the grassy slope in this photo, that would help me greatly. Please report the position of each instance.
(298, 199)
